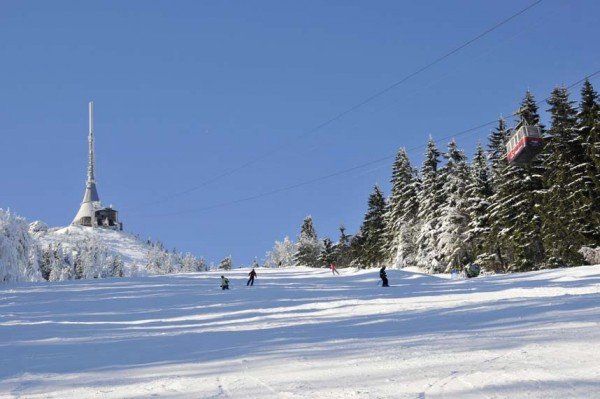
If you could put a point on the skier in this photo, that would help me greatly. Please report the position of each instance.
(333, 269)
(252, 274)
(472, 270)
(383, 276)
(224, 283)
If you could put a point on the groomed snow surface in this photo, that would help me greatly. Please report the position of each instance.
(302, 333)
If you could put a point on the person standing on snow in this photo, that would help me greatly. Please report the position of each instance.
(383, 277)
(224, 283)
(252, 274)
(333, 269)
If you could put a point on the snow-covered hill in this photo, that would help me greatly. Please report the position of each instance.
(302, 333)
(132, 250)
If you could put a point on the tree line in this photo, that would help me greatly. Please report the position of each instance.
(452, 211)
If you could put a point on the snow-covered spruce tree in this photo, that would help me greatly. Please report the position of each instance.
(499, 211)
(371, 251)
(430, 203)
(309, 246)
(529, 110)
(157, 260)
(175, 262)
(327, 255)
(356, 250)
(341, 249)
(61, 264)
(115, 267)
(478, 198)
(282, 254)
(95, 261)
(226, 263)
(530, 252)
(566, 201)
(497, 151)
(454, 215)
(18, 251)
(46, 255)
(588, 124)
(515, 224)
(402, 211)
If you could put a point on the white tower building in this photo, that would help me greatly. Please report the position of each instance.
(91, 212)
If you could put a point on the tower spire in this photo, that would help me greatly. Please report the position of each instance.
(91, 161)
(91, 193)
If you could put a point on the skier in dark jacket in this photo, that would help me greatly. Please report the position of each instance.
(224, 283)
(383, 277)
(252, 274)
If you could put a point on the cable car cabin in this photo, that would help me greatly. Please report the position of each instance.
(524, 144)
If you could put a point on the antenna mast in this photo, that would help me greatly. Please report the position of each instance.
(91, 160)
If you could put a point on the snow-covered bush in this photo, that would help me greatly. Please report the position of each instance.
(282, 254)
(192, 264)
(18, 251)
(591, 255)
(38, 227)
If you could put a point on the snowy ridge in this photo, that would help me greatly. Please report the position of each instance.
(130, 248)
(302, 333)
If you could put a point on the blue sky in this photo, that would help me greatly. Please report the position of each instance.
(187, 90)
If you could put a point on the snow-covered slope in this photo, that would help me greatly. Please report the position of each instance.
(130, 248)
(302, 333)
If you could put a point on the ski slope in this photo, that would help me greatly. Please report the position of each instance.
(301, 333)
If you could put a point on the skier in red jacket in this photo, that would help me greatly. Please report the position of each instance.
(333, 269)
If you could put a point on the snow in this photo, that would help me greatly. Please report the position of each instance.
(302, 333)
(130, 248)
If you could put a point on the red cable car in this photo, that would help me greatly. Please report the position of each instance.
(524, 144)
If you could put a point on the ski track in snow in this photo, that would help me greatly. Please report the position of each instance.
(301, 333)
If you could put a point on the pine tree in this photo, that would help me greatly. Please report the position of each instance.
(358, 250)
(588, 123)
(309, 246)
(454, 215)
(566, 205)
(497, 151)
(402, 212)
(529, 252)
(46, 262)
(157, 260)
(499, 214)
(430, 202)
(373, 230)
(478, 195)
(115, 267)
(515, 239)
(226, 263)
(529, 110)
(342, 251)
(327, 255)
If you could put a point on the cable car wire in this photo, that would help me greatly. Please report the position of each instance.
(353, 168)
(349, 110)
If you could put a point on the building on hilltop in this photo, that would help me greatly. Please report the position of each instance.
(91, 212)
